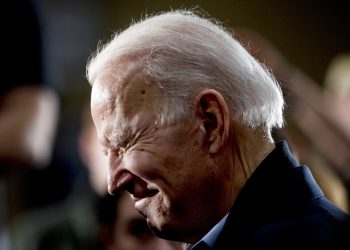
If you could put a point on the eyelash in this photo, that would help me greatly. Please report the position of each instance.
(121, 149)
(116, 152)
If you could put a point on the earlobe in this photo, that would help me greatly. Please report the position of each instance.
(212, 109)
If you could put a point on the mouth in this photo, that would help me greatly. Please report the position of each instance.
(143, 201)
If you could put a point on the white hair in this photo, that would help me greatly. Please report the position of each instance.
(183, 54)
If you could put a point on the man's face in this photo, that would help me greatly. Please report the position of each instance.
(165, 169)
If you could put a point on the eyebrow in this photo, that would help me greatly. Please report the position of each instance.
(118, 142)
(124, 139)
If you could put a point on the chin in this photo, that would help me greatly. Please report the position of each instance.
(164, 227)
(165, 232)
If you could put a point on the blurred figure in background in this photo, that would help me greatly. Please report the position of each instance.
(28, 108)
(28, 111)
(70, 224)
(337, 97)
(313, 130)
(337, 91)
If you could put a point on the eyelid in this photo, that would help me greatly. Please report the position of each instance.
(107, 151)
(117, 148)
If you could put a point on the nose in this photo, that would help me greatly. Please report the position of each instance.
(121, 177)
(120, 180)
(118, 176)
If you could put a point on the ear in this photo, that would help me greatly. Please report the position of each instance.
(213, 112)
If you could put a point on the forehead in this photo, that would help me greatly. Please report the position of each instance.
(125, 88)
(119, 94)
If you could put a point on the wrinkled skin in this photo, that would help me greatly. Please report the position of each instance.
(169, 171)
(131, 231)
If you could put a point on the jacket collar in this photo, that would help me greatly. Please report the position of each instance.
(272, 193)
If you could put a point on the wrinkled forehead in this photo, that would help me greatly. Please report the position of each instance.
(124, 90)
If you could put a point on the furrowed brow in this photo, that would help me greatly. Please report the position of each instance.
(124, 139)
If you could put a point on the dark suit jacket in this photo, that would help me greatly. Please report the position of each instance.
(282, 207)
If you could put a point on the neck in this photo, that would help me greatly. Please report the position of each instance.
(252, 151)
(248, 149)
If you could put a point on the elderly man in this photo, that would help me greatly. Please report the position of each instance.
(185, 114)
